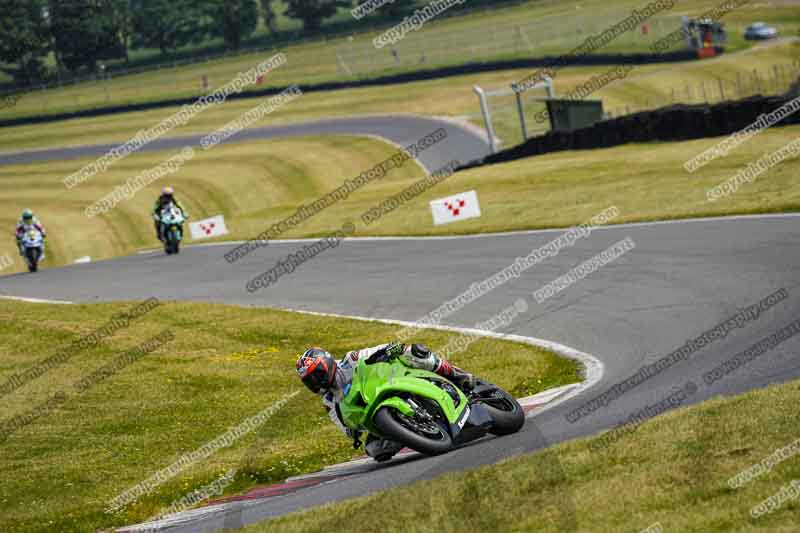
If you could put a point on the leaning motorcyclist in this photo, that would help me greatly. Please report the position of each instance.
(26, 220)
(167, 197)
(323, 375)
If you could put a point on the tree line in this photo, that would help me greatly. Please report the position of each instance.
(81, 34)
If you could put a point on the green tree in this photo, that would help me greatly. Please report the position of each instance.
(168, 24)
(233, 20)
(398, 8)
(24, 38)
(270, 15)
(122, 20)
(313, 12)
(85, 32)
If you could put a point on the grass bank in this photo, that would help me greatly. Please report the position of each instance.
(225, 364)
(249, 183)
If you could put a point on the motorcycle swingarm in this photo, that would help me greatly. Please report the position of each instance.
(473, 424)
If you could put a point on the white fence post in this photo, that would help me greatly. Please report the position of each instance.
(487, 117)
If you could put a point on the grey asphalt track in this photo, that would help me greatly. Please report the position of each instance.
(682, 279)
(461, 143)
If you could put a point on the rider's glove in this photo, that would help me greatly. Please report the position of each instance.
(394, 349)
(387, 353)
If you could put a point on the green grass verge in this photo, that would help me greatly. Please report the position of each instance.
(224, 365)
(256, 184)
(673, 471)
(548, 27)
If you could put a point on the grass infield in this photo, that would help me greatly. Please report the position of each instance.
(120, 410)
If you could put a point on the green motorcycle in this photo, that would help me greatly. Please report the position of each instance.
(422, 410)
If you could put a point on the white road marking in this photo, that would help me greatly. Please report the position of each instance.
(35, 300)
(546, 396)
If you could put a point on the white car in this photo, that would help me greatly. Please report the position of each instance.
(760, 31)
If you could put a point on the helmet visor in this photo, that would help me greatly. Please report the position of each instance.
(314, 380)
(317, 377)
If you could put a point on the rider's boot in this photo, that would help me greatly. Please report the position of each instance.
(463, 380)
(381, 449)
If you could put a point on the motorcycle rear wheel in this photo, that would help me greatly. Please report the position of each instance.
(425, 437)
(506, 412)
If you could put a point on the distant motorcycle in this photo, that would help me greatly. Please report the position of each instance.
(33, 245)
(172, 220)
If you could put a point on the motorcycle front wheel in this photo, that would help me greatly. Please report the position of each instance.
(424, 436)
(173, 241)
